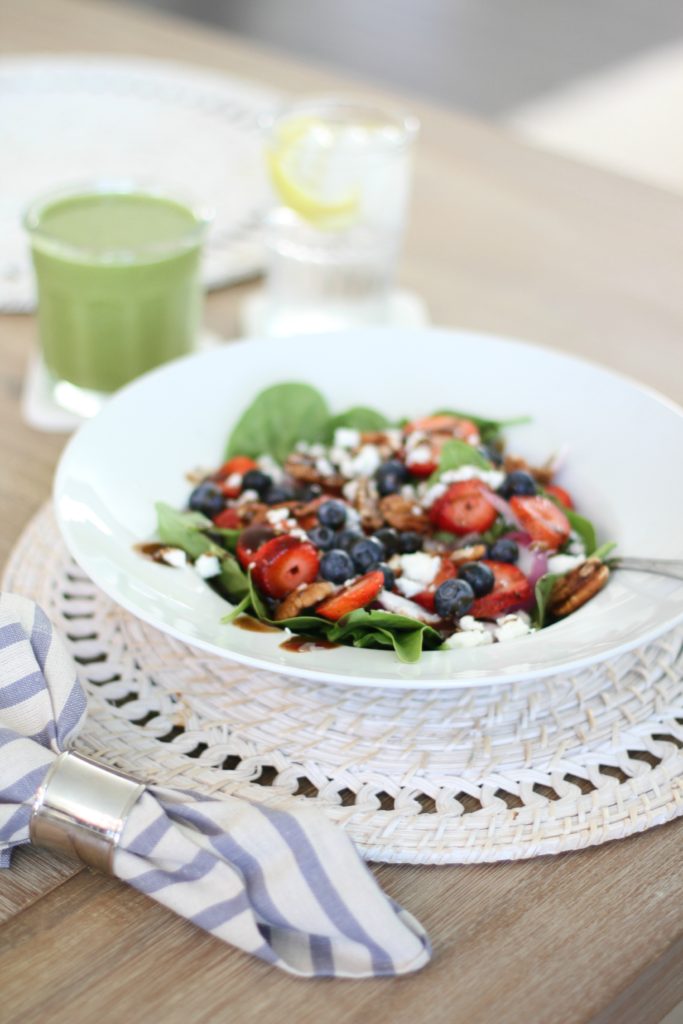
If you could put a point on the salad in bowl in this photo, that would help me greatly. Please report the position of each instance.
(422, 534)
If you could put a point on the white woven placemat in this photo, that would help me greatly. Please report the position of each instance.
(484, 774)
(65, 120)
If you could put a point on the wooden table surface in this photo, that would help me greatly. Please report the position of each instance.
(503, 238)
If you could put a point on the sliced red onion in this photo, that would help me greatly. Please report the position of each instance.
(533, 563)
(502, 506)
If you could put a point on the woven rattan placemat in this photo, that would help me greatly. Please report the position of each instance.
(484, 774)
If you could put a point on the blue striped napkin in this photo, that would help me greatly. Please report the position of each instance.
(287, 886)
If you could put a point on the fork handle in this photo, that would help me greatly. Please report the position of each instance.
(661, 566)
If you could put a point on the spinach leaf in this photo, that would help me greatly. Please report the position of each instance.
(243, 606)
(455, 454)
(488, 429)
(583, 527)
(184, 530)
(278, 418)
(233, 579)
(604, 550)
(228, 538)
(360, 417)
(543, 590)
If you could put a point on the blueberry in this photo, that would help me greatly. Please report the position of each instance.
(366, 552)
(337, 566)
(307, 492)
(207, 499)
(492, 454)
(389, 578)
(255, 480)
(409, 542)
(390, 477)
(322, 536)
(518, 482)
(278, 493)
(503, 550)
(453, 597)
(345, 539)
(332, 513)
(388, 538)
(479, 577)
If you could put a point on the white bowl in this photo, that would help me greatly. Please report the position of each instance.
(622, 467)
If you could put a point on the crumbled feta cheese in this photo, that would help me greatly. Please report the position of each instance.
(420, 455)
(277, 515)
(563, 563)
(350, 490)
(344, 437)
(173, 556)
(268, 465)
(296, 531)
(409, 588)
(394, 437)
(468, 623)
(420, 567)
(234, 481)
(324, 466)
(492, 477)
(316, 449)
(401, 606)
(509, 627)
(409, 493)
(207, 566)
(247, 496)
(366, 462)
(473, 638)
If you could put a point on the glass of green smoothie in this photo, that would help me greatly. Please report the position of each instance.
(117, 270)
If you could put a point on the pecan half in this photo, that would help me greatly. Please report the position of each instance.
(298, 600)
(471, 553)
(577, 587)
(304, 468)
(403, 514)
(252, 513)
(367, 505)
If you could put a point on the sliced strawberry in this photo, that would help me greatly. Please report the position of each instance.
(542, 519)
(237, 464)
(455, 426)
(250, 541)
(355, 596)
(564, 497)
(464, 508)
(511, 591)
(228, 519)
(426, 597)
(283, 563)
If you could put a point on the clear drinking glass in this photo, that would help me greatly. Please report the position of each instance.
(341, 172)
(117, 270)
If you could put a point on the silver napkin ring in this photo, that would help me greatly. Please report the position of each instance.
(81, 809)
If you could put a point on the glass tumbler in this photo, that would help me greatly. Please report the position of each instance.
(341, 171)
(117, 272)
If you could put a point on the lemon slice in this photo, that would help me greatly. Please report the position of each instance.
(310, 174)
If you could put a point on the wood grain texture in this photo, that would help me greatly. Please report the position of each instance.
(502, 238)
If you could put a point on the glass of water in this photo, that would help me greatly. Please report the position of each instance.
(341, 172)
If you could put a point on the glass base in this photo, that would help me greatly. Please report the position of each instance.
(258, 319)
(80, 401)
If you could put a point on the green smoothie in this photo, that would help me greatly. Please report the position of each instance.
(118, 283)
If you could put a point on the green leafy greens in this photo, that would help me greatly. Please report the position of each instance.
(408, 637)
(278, 418)
(455, 454)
